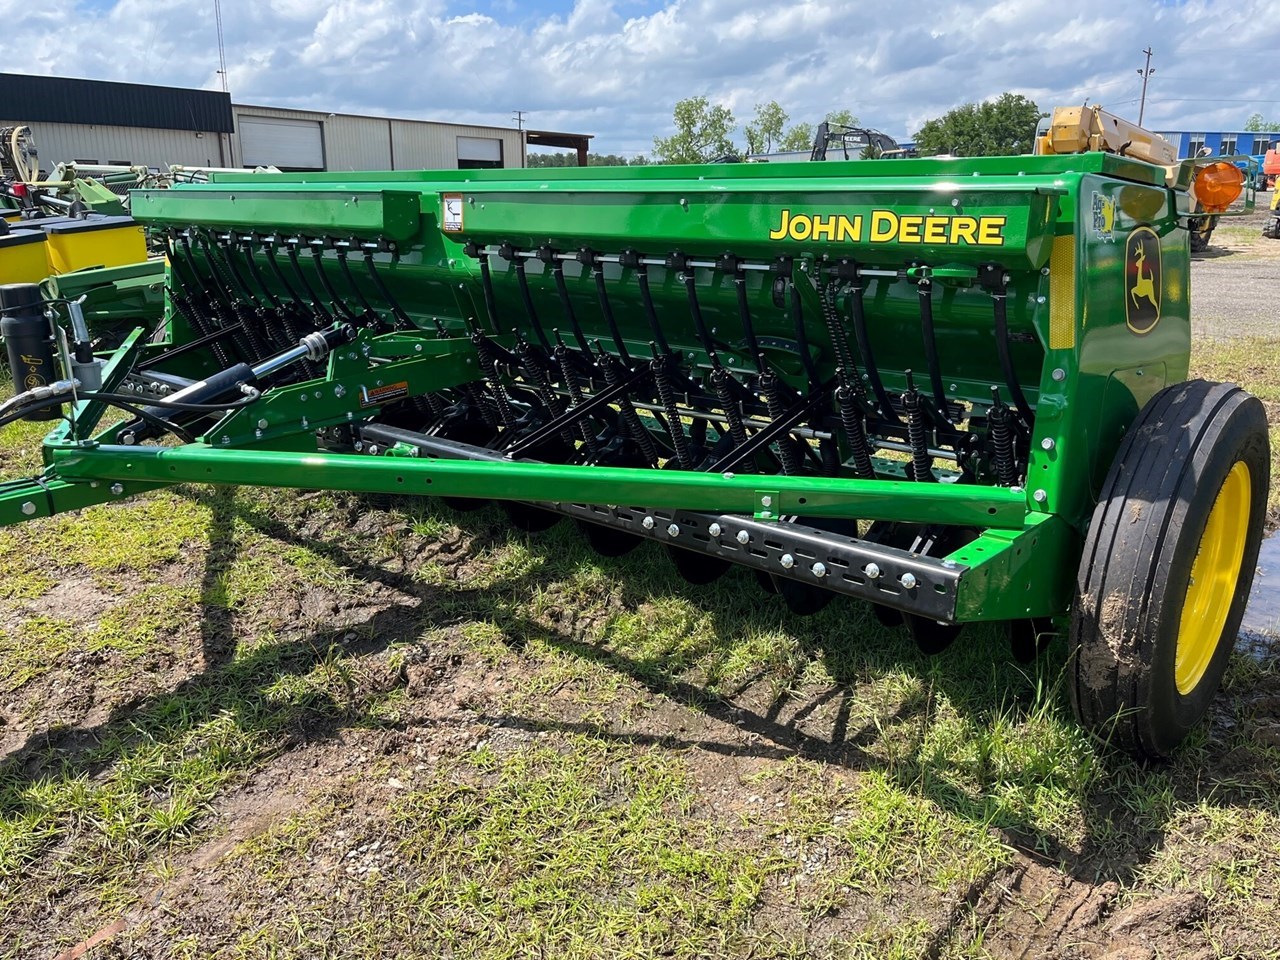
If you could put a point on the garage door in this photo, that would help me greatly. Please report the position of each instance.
(479, 152)
(287, 144)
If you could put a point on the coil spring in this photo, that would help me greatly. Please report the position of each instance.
(773, 401)
(667, 397)
(1001, 431)
(489, 363)
(921, 462)
(854, 431)
(835, 330)
(203, 326)
(570, 380)
(542, 384)
(720, 386)
(629, 417)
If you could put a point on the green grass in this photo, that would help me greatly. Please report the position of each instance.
(665, 770)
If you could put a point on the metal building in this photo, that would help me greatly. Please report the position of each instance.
(1220, 143)
(96, 121)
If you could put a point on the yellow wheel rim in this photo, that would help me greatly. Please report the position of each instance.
(1214, 575)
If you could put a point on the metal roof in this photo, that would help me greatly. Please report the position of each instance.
(63, 100)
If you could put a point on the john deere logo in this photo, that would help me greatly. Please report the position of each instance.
(1142, 280)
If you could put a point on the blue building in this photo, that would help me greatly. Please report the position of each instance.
(1220, 143)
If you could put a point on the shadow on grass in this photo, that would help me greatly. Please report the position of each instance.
(1125, 807)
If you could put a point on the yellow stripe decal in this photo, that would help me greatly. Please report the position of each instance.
(1062, 294)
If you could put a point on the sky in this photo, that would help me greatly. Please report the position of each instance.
(615, 68)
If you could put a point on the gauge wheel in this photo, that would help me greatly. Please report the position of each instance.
(1167, 565)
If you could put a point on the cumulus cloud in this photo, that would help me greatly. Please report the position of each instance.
(615, 68)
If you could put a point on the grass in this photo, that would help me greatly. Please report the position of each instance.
(564, 754)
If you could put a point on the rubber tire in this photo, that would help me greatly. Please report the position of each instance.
(1136, 564)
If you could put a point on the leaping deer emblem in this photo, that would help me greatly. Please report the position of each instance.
(1144, 286)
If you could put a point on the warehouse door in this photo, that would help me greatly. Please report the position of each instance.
(479, 153)
(287, 144)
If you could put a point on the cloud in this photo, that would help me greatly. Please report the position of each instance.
(615, 68)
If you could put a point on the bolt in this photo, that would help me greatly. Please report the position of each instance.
(1047, 443)
(1059, 374)
(766, 513)
(1040, 496)
(949, 564)
(872, 571)
(729, 476)
(908, 580)
(766, 501)
(117, 489)
(262, 424)
(673, 530)
(647, 523)
(339, 391)
(743, 537)
(373, 449)
(1039, 299)
(304, 423)
(819, 570)
(29, 508)
(714, 529)
(955, 201)
(787, 561)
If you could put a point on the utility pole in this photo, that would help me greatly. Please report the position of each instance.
(1145, 73)
(518, 116)
(222, 50)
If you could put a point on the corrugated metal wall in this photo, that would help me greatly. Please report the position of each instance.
(350, 142)
(62, 142)
(373, 143)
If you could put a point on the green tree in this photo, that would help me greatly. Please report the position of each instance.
(1256, 124)
(1005, 126)
(843, 117)
(766, 129)
(799, 137)
(702, 133)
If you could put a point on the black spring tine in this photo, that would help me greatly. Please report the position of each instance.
(215, 302)
(606, 309)
(317, 259)
(562, 289)
(383, 292)
(312, 297)
(251, 337)
(921, 462)
(246, 246)
(678, 261)
(486, 285)
(226, 251)
(925, 290)
(294, 295)
(1000, 309)
(1003, 460)
(646, 301)
(857, 310)
(732, 264)
(802, 336)
(522, 280)
(340, 247)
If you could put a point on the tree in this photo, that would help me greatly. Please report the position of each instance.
(766, 129)
(843, 117)
(1255, 124)
(799, 137)
(702, 133)
(1002, 127)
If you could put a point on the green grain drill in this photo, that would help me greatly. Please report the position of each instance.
(953, 389)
